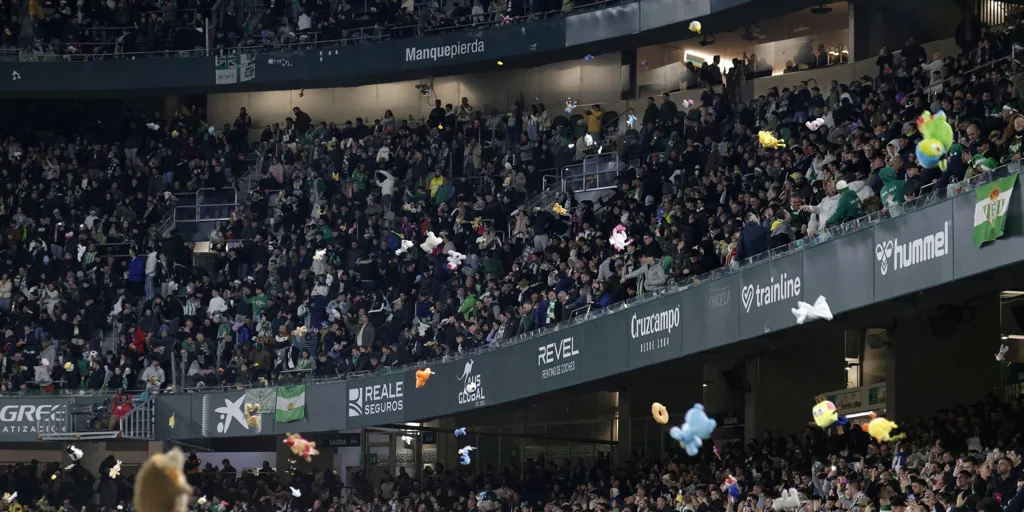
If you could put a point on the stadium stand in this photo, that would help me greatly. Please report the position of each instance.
(307, 278)
(44, 30)
(964, 459)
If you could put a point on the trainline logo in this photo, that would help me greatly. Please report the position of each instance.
(755, 295)
(892, 253)
(449, 51)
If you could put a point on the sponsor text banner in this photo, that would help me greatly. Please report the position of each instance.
(377, 400)
(914, 251)
(841, 261)
(27, 419)
(473, 381)
(712, 314)
(769, 292)
(653, 329)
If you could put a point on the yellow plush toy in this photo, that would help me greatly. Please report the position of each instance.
(768, 141)
(825, 413)
(879, 428)
(252, 415)
(161, 486)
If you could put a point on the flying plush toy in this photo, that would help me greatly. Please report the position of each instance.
(789, 500)
(660, 413)
(688, 103)
(161, 486)
(295, 492)
(301, 447)
(768, 141)
(74, 453)
(201, 501)
(815, 125)
(618, 239)
(422, 376)
(879, 428)
(319, 255)
(696, 427)
(732, 486)
(1001, 355)
(431, 242)
(8, 498)
(825, 413)
(406, 245)
(695, 27)
(938, 139)
(115, 471)
(819, 310)
(464, 454)
(252, 416)
(299, 331)
(570, 105)
(460, 431)
(455, 259)
(559, 210)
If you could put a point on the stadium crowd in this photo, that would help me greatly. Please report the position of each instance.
(310, 279)
(77, 30)
(962, 460)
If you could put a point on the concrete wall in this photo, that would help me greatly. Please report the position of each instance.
(927, 371)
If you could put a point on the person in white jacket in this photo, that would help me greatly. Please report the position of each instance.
(387, 187)
(822, 211)
(217, 305)
(150, 274)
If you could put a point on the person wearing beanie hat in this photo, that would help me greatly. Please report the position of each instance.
(849, 207)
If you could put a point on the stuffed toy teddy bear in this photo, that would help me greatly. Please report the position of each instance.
(431, 242)
(160, 485)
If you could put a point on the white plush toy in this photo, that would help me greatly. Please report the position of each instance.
(1001, 355)
(618, 238)
(406, 245)
(819, 310)
(319, 255)
(455, 259)
(789, 500)
(814, 125)
(431, 242)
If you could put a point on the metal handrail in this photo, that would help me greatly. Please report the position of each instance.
(197, 209)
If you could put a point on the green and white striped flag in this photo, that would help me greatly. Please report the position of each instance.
(291, 404)
(991, 202)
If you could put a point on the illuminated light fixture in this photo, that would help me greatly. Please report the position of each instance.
(859, 414)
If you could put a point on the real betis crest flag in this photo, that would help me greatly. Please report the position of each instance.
(291, 404)
(991, 202)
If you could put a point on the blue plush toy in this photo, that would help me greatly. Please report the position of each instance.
(460, 431)
(464, 454)
(696, 428)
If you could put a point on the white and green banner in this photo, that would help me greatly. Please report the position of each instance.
(991, 202)
(266, 397)
(233, 69)
(291, 404)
